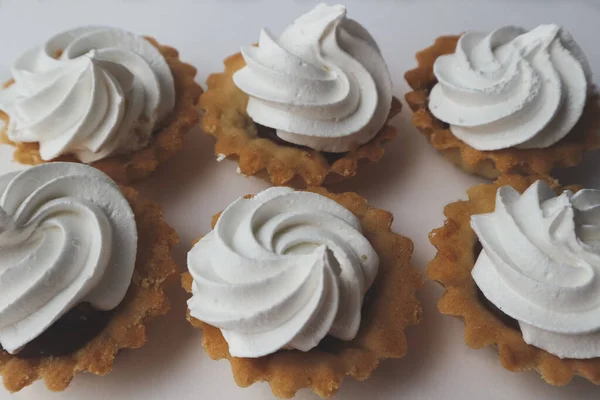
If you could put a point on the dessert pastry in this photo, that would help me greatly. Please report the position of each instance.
(300, 289)
(508, 102)
(305, 107)
(101, 96)
(82, 265)
(522, 273)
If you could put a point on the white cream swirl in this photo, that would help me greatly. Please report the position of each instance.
(67, 235)
(540, 265)
(282, 270)
(512, 88)
(322, 84)
(92, 92)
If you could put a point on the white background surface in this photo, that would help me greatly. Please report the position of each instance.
(412, 181)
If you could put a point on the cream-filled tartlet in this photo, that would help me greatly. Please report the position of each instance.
(82, 263)
(509, 101)
(305, 107)
(520, 262)
(101, 96)
(300, 288)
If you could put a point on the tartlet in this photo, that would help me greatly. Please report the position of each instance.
(166, 139)
(389, 307)
(311, 158)
(87, 340)
(567, 152)
(458, 248)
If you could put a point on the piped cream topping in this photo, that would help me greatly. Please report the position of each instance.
(67, 236)
(282, 270)
(92, 92)
(512, 88)
(322, 84)
(540, 265)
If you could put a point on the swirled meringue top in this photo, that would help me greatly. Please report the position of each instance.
(540, 265)
(67, 235)
(322, 84)
(282, 270)
(512, 88)
(92, 92)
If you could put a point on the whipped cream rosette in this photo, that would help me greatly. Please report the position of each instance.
(101, 96)
(302, 288)
(75, 285)
(520, 262)
(512, 87)
(322, 83)
(540, 265)
(310, 103)
(512, 101)
(91, 92)
(282, 270)
(68, 235)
